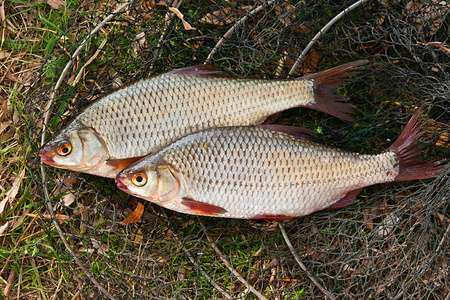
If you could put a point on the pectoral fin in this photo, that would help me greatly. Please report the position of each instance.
(120, 164)
(201, 208)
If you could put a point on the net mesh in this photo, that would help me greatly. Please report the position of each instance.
(393, 244)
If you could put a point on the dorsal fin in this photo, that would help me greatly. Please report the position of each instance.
(200, 70)
(299, 132)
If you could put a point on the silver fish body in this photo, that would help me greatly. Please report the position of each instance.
(251, 172)
(149, 115)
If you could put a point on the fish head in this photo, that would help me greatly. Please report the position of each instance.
(76, 148)
(157, 183)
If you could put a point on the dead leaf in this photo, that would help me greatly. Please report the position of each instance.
(3, 204)
(4, 54)
(139, 236)
(68, 199)
(19, 220)
(3, 228)
(388, 225)
(186, 25)
(15, 116)
(11, 194)
(2, 12)
(3, 111)
(10, 282)
(55, 4)
(224, 15)
(140, 42)
(136, 215)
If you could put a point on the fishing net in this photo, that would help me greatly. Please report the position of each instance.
(393, 244)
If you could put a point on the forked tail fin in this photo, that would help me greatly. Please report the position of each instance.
(326, 84)
(411, 167)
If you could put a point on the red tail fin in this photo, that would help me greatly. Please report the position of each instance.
(326, 84)
(411, 167)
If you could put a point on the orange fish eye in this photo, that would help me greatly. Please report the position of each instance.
(139, 179)
(65, 149)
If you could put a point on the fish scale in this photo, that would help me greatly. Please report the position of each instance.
(144, 117)
(295, 182)
(131, 108)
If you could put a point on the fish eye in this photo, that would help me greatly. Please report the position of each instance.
(139, 179)
(64, 149)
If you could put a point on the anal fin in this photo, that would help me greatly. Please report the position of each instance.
(202, 208)
(347, 200)
(269, 217)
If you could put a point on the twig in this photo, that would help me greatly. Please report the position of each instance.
(164, 33)
(232, 29)
(46, 118)
(229, 266)
(443, 237)
(80, 73)
(213, 283)
(316, 283)
(322, 31)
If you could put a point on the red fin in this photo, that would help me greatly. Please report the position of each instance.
(411, 167)
(326, 84)
(300, 132)
(120, 164)
(271, 217)
(201, 208)
(200, 70)
(347, 200)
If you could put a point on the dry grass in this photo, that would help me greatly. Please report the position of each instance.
(29, 267)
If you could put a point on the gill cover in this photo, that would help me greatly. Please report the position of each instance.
(156, 183)
(75, 148)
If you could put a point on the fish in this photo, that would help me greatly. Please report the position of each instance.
(251, 172)
(144, 117)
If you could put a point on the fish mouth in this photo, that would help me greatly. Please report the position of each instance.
(120, 178)
(47, 156)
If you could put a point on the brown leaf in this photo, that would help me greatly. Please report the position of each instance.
(224, 15)
(2, 12)
(19, 220)
(3, 111)
(11, 194)
(16, 116)
(135, 215)
(140, 42)
(10, 282)
(186, 25)
(4, 54)
(3, 228)
(55, 4)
